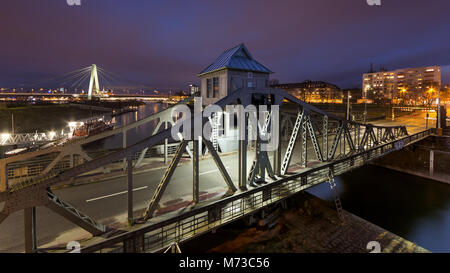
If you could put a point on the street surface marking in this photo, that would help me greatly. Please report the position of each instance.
(114, 194)
(212, 171)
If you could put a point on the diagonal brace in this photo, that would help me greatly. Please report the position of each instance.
(231, 187)
(164, 181)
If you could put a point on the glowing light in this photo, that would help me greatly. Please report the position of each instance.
(5, 136)
(51, 134)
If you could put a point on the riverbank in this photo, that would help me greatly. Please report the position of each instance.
(310, 225)
(429, 158)
(42, 118)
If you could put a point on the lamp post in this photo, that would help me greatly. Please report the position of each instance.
(439, 111)
(365, 105)
(348, 105)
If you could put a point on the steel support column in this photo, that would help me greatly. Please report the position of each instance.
(124, 145)
(195, 172)
(277, 148)
(30, 229)
(166, 143)
(130, 191)
(292, 141)
(304, 129)
(243, 143)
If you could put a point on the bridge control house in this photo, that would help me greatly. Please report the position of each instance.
(233, 69)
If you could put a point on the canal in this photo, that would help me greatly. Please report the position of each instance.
(414, 208)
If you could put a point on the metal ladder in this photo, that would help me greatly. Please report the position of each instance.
(215, 131)
(337, 200)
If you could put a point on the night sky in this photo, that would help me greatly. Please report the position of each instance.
(165, 44)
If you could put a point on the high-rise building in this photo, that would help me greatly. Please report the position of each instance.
(416, 83)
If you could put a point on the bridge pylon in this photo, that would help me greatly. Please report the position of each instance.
(94, 86)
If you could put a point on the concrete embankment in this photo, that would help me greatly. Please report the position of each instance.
(309, 225)
(429, 158)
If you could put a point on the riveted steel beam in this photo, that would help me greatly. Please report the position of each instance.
(292, 141)
(72, 214)
(164, 181)
(231, 187)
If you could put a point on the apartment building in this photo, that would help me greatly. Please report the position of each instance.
(313, 91)
(414, 83)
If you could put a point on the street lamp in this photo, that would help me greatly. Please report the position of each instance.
(365, 103)
(439, 111)
(348, 105)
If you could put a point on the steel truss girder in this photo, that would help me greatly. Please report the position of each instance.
(348, 136)
(313, 136)
(304, 155)
(171, 169)
(63, 178)
(164, 181)
(292, 141)
(364, 139)
(72, 214)
(160, 136)
(336, 141)
(372, 135)
(231, 187)
(195, 171)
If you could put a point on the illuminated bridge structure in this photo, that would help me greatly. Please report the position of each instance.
(338, 145)
(29, 138)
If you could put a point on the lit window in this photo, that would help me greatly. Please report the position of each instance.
(209, 88)
(215, 87)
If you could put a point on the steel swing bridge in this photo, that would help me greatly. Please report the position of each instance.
(338, 146)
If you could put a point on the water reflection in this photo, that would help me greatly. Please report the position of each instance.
(414, 208)
(135, 135)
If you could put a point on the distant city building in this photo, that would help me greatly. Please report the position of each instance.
(445, 94)
(234, 69)
(193, 89)
(313, 91)
(415, 83)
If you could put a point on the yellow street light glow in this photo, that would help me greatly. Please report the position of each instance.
(5, 136)
(51, 134)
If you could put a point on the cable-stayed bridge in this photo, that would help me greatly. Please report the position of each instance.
(90, 81)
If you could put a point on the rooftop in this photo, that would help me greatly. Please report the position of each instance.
(238, 58)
